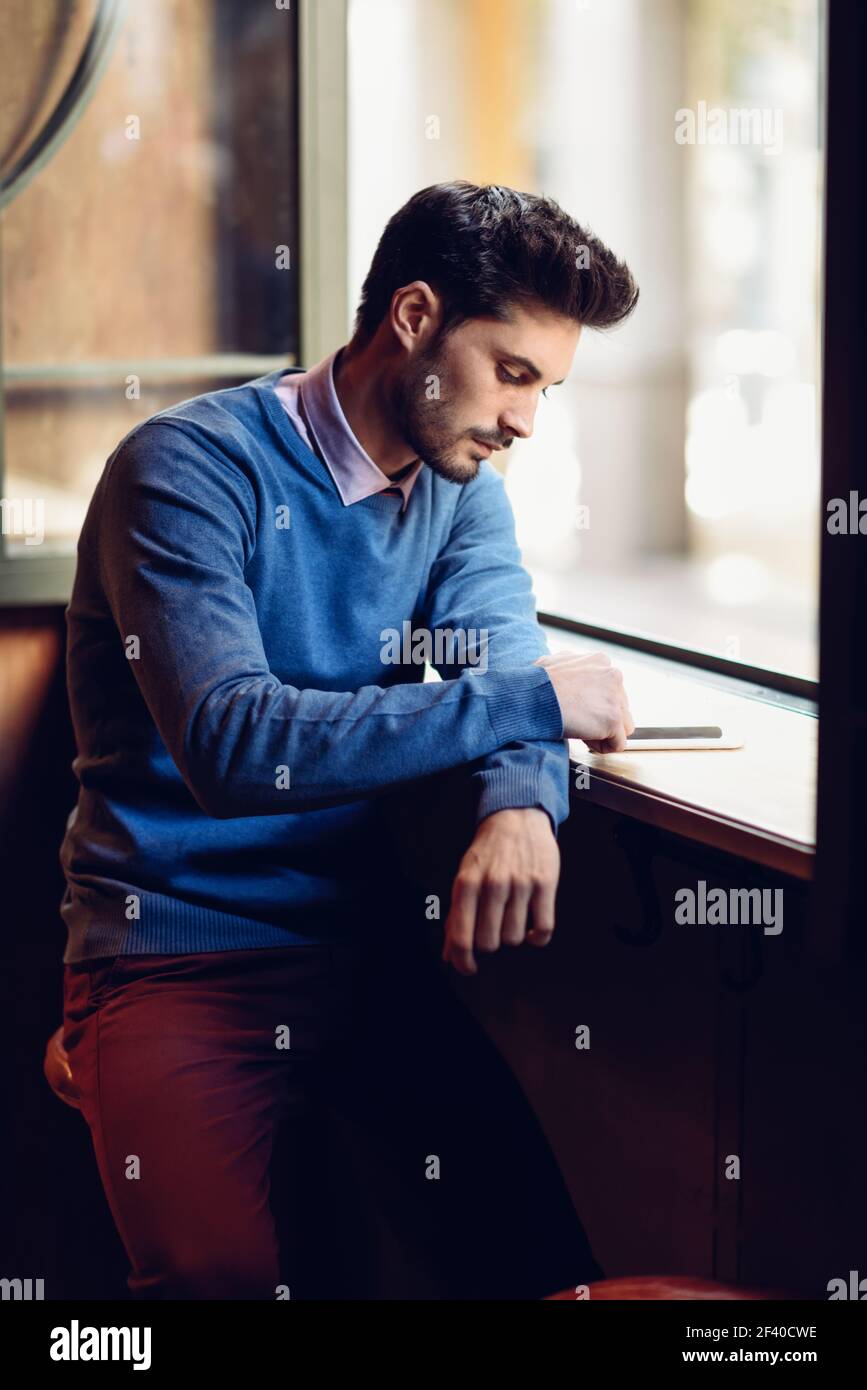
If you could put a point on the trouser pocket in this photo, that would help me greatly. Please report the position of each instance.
(101, 977)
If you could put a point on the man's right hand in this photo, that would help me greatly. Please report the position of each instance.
(592, 699)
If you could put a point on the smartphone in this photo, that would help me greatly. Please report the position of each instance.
(648, 736)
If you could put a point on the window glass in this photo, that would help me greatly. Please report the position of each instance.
(154, 256)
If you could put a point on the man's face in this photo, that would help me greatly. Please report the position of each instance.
(477, 389)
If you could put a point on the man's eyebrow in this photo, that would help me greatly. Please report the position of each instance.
(529, 366)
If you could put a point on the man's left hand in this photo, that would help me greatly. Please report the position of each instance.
(505, 887)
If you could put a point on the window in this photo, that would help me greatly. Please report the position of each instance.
(153, 255)
(671, 487)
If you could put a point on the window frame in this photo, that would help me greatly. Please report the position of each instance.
(774, 687)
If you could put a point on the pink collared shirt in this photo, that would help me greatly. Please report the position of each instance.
(311, 402)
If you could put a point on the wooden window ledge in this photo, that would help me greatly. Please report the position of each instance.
(757, 802)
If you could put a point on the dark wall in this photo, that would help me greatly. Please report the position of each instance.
(706, 1041)
(56, 1224)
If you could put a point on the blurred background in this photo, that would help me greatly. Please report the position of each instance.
(139, 264)
(671, 487)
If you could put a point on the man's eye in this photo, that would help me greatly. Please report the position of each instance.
(514, 380)
(508, 378)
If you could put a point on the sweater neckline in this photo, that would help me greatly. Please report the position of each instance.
(265, 385)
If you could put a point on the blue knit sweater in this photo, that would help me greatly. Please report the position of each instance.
(235, 709)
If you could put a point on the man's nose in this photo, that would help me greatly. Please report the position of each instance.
(517, 423)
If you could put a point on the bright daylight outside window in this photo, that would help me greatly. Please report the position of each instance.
(671, 486)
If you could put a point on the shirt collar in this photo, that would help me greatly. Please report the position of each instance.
(354, 472)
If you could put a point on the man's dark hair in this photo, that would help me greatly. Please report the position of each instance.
(484, 249)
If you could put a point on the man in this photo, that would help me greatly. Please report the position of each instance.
(246, 952)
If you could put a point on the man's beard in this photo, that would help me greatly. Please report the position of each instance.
(425, 423)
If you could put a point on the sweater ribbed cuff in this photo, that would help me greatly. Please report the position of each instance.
(522, 704)
(513, 787)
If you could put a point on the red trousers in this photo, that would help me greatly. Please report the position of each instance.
(313, 1122)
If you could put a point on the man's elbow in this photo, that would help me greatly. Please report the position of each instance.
(211, 799)
(214, 793)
